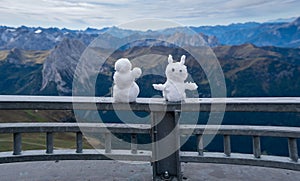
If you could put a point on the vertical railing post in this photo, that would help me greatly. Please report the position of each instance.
(165, 150)
(256, 146)
(293, 150)
(79, 142)
(200, 147)
(17, 144)
(49, 142)
(107, 142)
(227, 145)
(133, 143)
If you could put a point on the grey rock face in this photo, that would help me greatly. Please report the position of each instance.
(60, 65)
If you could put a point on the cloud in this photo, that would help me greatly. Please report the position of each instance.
(80, 14)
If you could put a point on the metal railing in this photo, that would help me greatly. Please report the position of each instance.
(255, 132)
(155, 107)
(50, 129)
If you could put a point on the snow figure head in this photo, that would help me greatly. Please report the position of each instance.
(176, 71)
(174, 88)
(123, 65)
(125, 89)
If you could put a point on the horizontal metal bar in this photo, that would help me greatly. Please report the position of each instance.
(74, 127)
(242, 130)
(241, 159)
(253, 104)
(142, 155)
(88, 154)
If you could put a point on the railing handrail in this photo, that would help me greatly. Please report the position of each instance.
(242, 130)
(239, 130)
(247, 104)
(74, 127)
(143, 155)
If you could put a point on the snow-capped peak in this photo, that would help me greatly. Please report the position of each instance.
(38, 31)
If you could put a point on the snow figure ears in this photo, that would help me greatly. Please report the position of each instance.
(182, 60)
(170, 59)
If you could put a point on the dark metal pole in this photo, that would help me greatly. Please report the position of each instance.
(49, 142)
(165, 150)
(17, 144)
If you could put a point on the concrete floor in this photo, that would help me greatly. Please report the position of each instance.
(121, 171)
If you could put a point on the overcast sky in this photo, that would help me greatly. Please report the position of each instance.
(81, 14)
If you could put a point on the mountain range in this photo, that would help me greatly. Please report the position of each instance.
(280, 34)
(249, 70)
(28, 38)
(258, 59)
(42, 61)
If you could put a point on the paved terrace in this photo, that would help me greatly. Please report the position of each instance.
(125, 171)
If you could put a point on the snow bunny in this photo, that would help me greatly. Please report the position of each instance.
(174, 88)
(125, 89)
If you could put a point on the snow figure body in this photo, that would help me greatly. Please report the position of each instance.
(125, 89)
(174, 88)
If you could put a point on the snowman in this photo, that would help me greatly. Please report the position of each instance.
(125, 89)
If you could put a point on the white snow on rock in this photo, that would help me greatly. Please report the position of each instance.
(38, 31)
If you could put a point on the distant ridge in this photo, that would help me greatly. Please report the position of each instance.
(28, 38)
(282, 20)
(281, 34)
